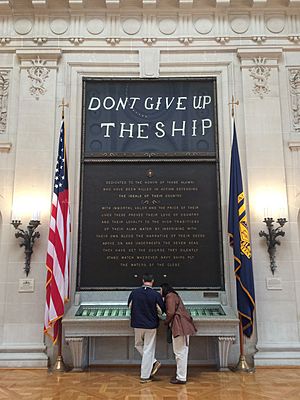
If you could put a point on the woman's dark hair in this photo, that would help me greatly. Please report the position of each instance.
(166, 289)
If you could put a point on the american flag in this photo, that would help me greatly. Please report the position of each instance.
(57, 261)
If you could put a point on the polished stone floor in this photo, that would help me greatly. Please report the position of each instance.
(116, 383)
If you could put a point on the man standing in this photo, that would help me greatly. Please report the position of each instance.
(146, 304)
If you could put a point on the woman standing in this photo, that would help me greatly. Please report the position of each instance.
(182, 326)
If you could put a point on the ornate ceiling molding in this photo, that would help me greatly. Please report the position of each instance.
(145, 4)
(226, 27)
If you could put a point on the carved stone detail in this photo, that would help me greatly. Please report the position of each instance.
(40, 40)
(258, 39)
(260, 74)
(224, 344)
(294, 39)
(4, 83)
(222, 39)
(294, 79)
(113, 41)
(4, 41)
(38, 73)
(186, 40)
(149, 41)
(76, 40)
(79, 351)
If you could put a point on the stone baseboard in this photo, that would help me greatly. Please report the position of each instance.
(278, 355)
(23, 357)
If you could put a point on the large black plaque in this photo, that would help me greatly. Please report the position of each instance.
(157, 118)
(158, 217)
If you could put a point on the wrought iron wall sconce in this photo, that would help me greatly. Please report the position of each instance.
(271, 238)
(28, 237)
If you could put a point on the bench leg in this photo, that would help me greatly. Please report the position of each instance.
(79, 352)
(224, 343)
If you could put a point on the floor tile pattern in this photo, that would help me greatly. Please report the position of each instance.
(116, 383)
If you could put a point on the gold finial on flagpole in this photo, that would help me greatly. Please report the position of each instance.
(233, 103)
(63, 105)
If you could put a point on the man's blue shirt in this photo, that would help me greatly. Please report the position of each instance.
(144, 301)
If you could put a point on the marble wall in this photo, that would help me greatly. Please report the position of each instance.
(47, 47)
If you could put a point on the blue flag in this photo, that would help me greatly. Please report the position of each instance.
(240, 241)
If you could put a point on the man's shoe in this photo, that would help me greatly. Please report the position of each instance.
(145, 380)
(177, 381)
(155, 368)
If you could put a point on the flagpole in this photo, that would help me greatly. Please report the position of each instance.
(59, 365)
(233, 103)
(63, 105)
(242, 365)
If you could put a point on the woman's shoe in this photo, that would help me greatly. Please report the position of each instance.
(145, 380)
(176, 381)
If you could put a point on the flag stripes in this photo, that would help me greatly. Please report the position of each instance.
(57, 260)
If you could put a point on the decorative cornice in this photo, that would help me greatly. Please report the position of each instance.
(222, 39)
(259, 39)
(294, 3)
(40, 40)
(233, 24)
(4, 40)
(186, 40)
(222, 3)
(77, 5)
(39, 3)
(249, 56)
(294, 145)
(5, 147)
(149, 3)
(186, 3)
(47, 54)
(259, 3)
(294, 39)
(113, 41)
(5, 4)
(149, 41)
(76, 40)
